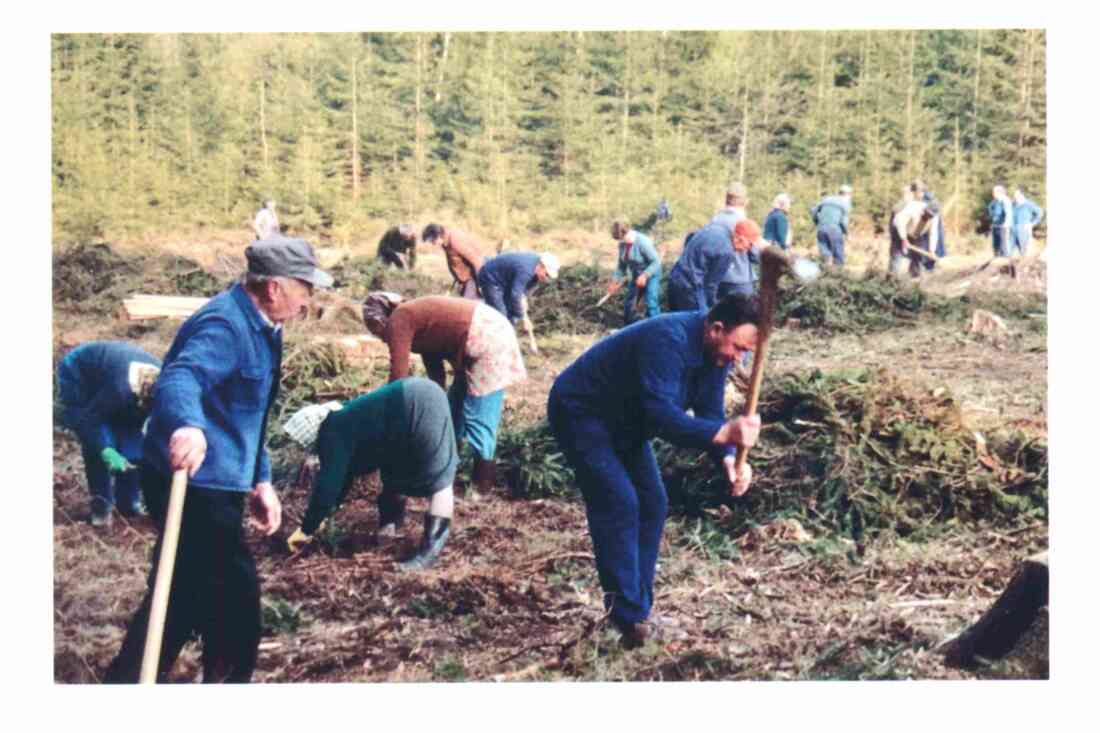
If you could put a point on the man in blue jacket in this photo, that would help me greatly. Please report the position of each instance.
(1000, 221)
(606, 406)
(505, 279)
(709, 254)
(739, 277)
(104, 389)
(831, 219)
(1025, 215)
(639, 266)
(209, 418)
(777, 226)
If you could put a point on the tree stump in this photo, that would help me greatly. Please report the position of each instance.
(998, 630)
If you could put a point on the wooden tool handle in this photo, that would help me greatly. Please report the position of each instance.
(165, 566)
(753, 398)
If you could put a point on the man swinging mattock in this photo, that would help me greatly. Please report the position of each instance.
(604, 408)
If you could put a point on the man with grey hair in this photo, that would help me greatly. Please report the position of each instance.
(777, 227)
(830, 216)
(266, 223)
(209, 417)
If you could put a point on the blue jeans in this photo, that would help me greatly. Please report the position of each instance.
(476, 419)
(652, 294)
(626, 505)
(830, 243)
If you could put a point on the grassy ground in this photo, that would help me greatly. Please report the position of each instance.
(517, 598)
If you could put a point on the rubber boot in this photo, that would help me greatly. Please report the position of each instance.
(436, 532)
(485, 475)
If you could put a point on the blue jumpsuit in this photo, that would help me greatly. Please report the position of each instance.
(99, 406)
(603, 409)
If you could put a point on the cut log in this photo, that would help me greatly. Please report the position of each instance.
(362, 346)
(141, 307)
(996, 633)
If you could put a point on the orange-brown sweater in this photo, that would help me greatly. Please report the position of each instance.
(436, 327)
(463, 255)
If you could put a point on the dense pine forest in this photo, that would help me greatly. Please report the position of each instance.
(524, 132)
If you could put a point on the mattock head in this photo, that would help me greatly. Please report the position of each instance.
(774, 262)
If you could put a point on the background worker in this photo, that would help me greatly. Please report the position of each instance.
(639, 266)
(1025, 215)
(398, 247)
(505, 280)
(404, 431)
(209, 418)
(830, 216)
(481, 347)
(707, 255)
(605, 407)
(932, 238)
(740, 277)
(266, 223)
(104, 388)
(914, 228)
(1000, 221)
(777, 225)
(463, 253)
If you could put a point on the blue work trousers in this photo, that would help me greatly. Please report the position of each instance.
(107, 490)
(476, 419)
(1002, 238)
(626, 505)
(830, 243)
(652, 294)
(1021, 237)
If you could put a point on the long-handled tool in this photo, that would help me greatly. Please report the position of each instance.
(165, 565)
(773, 264)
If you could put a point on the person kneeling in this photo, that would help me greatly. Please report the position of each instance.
(404, 430)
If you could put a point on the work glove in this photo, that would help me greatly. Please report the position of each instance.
(115, 461)
(298, 540)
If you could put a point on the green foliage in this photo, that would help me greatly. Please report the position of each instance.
(522, 131)
(528, 459)
(450, 669)
(856, 452)
(427, 607)
(568, 304)
(279, 616)
(838, 302)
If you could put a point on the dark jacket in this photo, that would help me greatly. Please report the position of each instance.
(514, 274)
(97, 402)
(707, 256)
(640, 381)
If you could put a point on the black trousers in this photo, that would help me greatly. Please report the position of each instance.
(215, 594)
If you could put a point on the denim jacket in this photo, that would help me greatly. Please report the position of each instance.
(221, 375)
